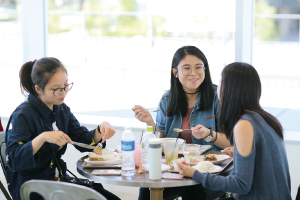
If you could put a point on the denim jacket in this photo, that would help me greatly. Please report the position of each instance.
(207, 118)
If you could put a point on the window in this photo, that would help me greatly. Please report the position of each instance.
(118, 53)
(276, 50)
(11, 55)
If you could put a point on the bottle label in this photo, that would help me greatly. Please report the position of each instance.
(128, 145)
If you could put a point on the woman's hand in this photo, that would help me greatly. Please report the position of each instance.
(142, 114)
(229, 151)
(106, 130)
(200, 131)
(185, 169)
(56, 137)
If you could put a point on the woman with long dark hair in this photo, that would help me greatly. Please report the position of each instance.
(42, 126)
(260, 162)
(191, 103)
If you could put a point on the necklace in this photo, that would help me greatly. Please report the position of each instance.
(192, 94)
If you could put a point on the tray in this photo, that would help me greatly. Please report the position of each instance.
(88, 165)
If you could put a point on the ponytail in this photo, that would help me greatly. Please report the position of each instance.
(26, 83)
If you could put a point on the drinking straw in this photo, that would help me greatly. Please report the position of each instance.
(142, 137)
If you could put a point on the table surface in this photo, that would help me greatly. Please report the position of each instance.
(142, 180)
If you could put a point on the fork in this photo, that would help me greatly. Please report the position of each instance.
(180, 130)
(100, 145)
(153, 110)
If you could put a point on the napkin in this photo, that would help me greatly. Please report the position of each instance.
(165, 167)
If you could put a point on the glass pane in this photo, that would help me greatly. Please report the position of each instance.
(277, 6)
(276, 50)
(268, 29)
(11, 53)
(122, 49)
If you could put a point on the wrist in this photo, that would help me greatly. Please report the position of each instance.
(151, 123)
(207, 132)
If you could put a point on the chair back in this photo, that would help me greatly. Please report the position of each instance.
(2, 151)
(55, 190)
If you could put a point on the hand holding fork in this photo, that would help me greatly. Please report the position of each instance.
(143, 114)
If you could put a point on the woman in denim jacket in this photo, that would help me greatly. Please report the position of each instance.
(191, 103)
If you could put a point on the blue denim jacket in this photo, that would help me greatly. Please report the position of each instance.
(207, 118)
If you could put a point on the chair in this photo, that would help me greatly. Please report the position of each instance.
(298, 194)
(54, 190)
(3, 162)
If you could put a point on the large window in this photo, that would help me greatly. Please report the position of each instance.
(276, 51)
(11, 55)
(118, 53)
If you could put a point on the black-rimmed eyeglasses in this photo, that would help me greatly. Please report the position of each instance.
(58, 91)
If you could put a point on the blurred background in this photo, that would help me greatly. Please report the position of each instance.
(118, 52)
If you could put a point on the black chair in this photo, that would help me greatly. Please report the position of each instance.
(298, 194)
(3, 163)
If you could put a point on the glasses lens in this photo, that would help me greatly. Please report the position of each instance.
(199, 70)
(57, 92)
(186, 71)
(68, 87)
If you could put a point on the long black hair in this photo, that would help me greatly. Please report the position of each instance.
(241, 90)
(177, 98)
(38, 73)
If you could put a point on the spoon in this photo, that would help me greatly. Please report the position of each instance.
(180, 130)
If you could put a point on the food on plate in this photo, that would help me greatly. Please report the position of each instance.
(191, 159)
(205, 166)
(96, 159)
(210, 157)
(98, 150)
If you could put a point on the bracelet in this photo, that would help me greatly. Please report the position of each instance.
(216, 137)
(98, 128)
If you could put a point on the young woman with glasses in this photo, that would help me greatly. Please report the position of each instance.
(191, 103)
(260, 163)
(29, 154)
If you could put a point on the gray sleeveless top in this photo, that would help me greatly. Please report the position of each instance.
(263, 174)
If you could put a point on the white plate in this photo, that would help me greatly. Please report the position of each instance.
(215, 170)
(117, 159)
(220, 159)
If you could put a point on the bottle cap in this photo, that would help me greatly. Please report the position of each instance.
(154, 141)
(126, 128)
(149, 129)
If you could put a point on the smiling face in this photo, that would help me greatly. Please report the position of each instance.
(191, 82)
(58, 80)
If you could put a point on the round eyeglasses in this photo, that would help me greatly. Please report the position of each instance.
(186, 70)
(58, 91)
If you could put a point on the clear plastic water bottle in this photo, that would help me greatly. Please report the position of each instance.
(127, 143)
(145, 147)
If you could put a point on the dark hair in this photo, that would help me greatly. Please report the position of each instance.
(241, 90)
(38, 73)
(177, 98)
